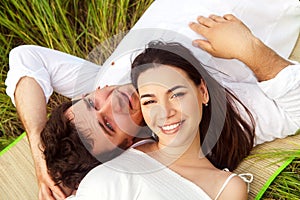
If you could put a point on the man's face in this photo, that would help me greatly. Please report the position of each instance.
(108, 118)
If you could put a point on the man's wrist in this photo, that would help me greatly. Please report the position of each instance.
(263, 61)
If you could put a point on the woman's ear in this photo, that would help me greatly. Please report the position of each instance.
(202, 88)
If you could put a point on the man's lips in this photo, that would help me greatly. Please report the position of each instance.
(131, 97)
(128, 99)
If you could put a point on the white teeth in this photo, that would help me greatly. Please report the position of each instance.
(170, 127)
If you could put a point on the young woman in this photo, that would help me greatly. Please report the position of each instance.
(226, 137)
(183, 107)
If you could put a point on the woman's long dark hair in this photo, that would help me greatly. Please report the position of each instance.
(226, 137)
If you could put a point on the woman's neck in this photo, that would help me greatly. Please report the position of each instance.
(179, 155)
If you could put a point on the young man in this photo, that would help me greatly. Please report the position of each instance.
(64, 73)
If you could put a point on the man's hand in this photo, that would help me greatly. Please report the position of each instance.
(227, 37)
(47, 188)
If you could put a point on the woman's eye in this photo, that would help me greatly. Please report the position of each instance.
(179, 94)
(148, 102)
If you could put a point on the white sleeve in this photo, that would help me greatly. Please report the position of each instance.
(53, 70)
(279, 31)
(104, 183)
(284, 89)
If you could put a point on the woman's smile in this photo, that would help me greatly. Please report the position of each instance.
(173, 128)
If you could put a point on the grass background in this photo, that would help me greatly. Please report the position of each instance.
(75, 27)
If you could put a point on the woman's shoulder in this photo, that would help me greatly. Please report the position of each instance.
(231, 187)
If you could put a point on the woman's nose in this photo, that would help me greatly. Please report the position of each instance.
(163, 111)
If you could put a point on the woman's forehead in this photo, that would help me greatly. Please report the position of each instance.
(163, 75)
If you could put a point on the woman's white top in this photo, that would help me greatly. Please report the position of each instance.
(134, 175)
(275, 104)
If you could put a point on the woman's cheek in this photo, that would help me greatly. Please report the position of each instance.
(149, 119)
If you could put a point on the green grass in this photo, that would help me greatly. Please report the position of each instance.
(71, 26)
(76, 27)
(287, 184)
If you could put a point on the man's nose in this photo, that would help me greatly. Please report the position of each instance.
(103, 108)
(97, 104)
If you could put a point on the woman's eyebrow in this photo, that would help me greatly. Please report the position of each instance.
(147, 95)
(169, 91)
(175, 88)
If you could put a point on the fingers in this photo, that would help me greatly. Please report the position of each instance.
(208, 22)
(45, 193)
(57, 192)
(198, 28)
(230, 17)
(203, 44)
(53, 193)
(213, 19)
(205, 23)
(217, 18)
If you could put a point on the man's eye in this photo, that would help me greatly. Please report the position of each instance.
(91, 103)
(109, 126)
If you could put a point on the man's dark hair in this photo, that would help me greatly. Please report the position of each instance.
(67, 158)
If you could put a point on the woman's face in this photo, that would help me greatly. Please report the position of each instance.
(171, 104)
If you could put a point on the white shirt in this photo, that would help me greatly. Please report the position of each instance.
(136, 176)
(275, 104)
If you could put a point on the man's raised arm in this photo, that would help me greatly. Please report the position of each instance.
(34, 73)
(31, 106)
(227, 37)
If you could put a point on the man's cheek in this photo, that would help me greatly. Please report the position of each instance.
(138, 119)
(126, 124)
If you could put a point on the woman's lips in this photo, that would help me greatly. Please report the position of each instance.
(170, 129)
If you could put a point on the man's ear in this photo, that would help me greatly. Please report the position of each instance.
(202, 88)
(69, 114)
